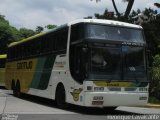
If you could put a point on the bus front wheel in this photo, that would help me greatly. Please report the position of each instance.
(60, 96)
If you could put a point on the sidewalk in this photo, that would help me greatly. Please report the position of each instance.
(150, 105)
(2, 101)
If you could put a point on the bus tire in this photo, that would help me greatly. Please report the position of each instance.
(60, 96)
(18, 89)
(13, 87)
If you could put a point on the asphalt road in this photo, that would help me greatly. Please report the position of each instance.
(36, 108)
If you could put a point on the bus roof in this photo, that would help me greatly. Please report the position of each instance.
(3, 56)
(107, 22)
(98, 21)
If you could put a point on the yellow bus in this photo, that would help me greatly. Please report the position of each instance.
(2, 69)
(86, 62)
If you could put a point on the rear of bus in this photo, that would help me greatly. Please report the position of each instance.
(2, 69)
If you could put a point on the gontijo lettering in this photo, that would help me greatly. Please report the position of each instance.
(25, 65)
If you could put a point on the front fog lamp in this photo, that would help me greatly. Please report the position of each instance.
(98, 88)
(143, 89)
(98, 98)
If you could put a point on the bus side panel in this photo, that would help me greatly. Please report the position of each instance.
(43, 72)
(32, 73)
(20, 70)
(2, 76)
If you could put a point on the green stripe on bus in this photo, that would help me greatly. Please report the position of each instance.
(38, 72)
(46, 73)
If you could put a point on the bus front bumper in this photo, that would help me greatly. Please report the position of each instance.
(111, 99)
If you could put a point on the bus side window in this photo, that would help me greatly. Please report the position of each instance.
(77, 32)
(78, 64)
(2, 63)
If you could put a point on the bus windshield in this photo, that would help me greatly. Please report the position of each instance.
(117, 63)
(114, 33)
(105, 63)
(134, 63)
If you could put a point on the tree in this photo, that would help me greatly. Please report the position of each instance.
(151, 30)
(127, 11)
(50, 26)
(24, 32)
(39, 29)
(157, 5)
(106, 15)
(129, 7)
(115, 8)
(6, 34)
(10, 34)
(155, 83)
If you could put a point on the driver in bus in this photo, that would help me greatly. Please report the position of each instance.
(98, 60)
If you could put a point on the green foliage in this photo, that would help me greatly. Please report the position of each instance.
(156, 68)
(155, 82)
(5, 35)
(39, 29)
(51, 26)
(24, 32)
(15, 34)
(151, 30)
(10, 34)
(154, 100)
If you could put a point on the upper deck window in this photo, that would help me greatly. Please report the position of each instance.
(95, 31)
(2, 62)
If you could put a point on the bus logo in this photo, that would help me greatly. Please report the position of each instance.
(76, 93)
(24, 65)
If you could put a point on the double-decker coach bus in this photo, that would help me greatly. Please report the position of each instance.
(87, 62)
(2, 69)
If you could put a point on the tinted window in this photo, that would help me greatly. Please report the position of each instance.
(2, 63)
(77, 32)
(105, 63)
(114, 33)
(134, 63)
(52, 42)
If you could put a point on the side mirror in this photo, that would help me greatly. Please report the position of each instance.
(85, 50)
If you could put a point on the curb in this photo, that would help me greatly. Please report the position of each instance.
(149, 105)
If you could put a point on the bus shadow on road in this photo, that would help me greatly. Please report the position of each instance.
(74, 108)
(97, 111)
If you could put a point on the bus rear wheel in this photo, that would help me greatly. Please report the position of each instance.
(60, 97)
(13, 87)
(17, 89)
